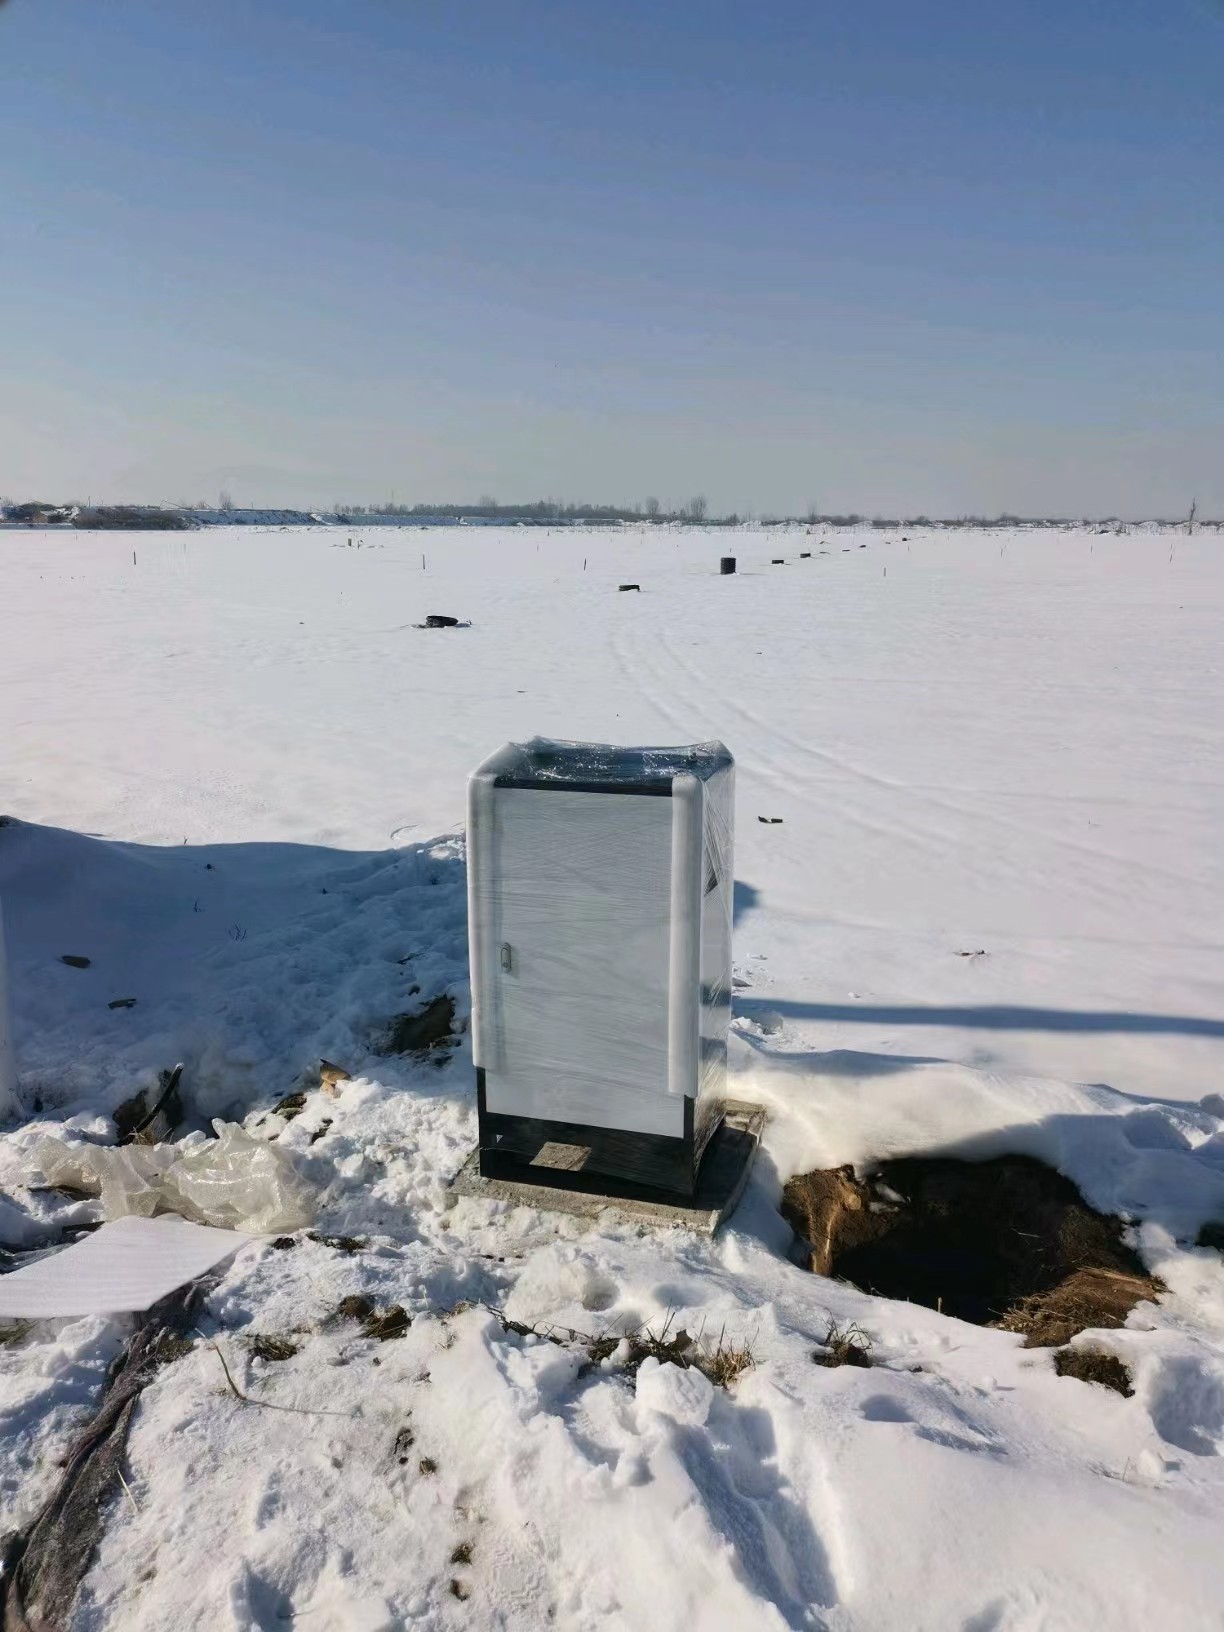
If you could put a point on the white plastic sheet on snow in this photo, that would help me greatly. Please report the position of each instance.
(122, 1268)
(234, 1181)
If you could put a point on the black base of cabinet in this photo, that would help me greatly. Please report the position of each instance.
(600, 1161)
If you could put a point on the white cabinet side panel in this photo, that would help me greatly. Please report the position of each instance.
(577, 904)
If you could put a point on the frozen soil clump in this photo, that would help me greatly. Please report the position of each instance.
(1007, 1242)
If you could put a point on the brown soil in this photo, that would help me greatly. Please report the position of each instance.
(432, 1027)
(1007, 1242)
(1095, 1366)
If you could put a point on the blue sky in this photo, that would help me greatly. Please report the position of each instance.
(880, 256)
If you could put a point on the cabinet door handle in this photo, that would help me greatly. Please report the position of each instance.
(506, 957)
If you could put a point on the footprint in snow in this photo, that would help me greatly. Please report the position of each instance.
(1186, 1403)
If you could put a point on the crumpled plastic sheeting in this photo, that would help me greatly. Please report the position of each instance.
(235, 1182)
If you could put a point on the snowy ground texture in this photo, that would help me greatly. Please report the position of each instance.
(236, 771)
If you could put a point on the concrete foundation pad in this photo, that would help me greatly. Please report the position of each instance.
(724, 1172)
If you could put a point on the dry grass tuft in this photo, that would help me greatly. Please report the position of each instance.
(723, 1362)
(1097, 1299)
(268, 1347)
(847, 1345)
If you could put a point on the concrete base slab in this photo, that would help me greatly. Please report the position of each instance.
(724, 1173)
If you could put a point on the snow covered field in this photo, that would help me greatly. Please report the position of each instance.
(990, 920)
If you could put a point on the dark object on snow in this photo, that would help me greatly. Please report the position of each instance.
(45, 1564)
(128, 1116)
(139, 1124)
(554, 1183)
(129, 518)
(355, 1307)
(389, 1322)
(338, 1243)
(846, 1345)
(269, 1348)
(624, 587)
(1095, 1366)
(74, 962)
(805, 555)
(1007, 1242)
(727, 566)
(777, 561)
(292, 1105)
(770, 821)
(430, 1028)
(979, 952)
(439, 620)
(122, 1003)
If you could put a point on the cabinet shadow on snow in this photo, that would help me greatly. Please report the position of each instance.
(985, 1017)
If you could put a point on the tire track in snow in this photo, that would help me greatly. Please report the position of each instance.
(771, 768)
(950, 844)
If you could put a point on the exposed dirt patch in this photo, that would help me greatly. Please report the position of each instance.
(380, 1323)
(141, 1121)
(422, 1032)
(1095, 1366)
(387, 1323)
(354, 1307)
(1007, 1243)
(338, 1243)
(269, 1348)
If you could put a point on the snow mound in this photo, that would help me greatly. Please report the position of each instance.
(683, 1394)
(248, 962)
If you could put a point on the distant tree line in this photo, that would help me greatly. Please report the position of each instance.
(542, 512)
(545, 510)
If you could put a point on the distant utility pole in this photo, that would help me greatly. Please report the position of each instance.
(1191, 516)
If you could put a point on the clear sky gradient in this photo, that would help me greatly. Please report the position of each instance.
(877, 255)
